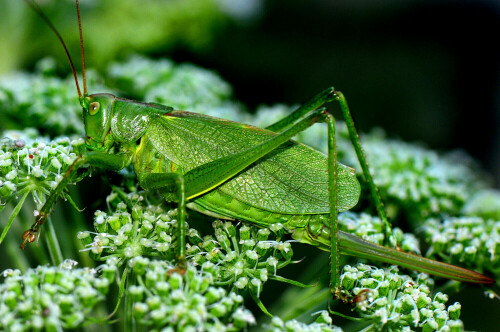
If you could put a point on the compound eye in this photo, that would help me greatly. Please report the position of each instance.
(94, 108)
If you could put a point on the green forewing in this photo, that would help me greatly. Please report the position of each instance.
(293, 179)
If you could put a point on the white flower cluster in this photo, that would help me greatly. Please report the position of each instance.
(414, 181)
(370, 228)
(49, 298)
(472, 242)
(165, 299)
(392, 301)
(246, 257)
(183, 87)
(35, 166)
(144, 230)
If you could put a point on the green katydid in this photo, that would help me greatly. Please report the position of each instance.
(238, 172)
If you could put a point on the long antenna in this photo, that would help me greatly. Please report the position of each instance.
(81, 46)
(38, 10)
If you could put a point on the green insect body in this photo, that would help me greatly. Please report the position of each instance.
(238, 172)
(288, 186)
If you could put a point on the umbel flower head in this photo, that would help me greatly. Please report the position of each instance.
(49, 298)
(244, 257)
(394, 301)
(167, 300)
(485, 204)
(414, 180)
(43, 100)
(370, 228)
(134, 227)
(182, 86)
(472, 242)
(33, 164)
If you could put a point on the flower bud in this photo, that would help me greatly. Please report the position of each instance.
(454, 311)
(244, 233)
(241, 283)
(251, 258)
(256, 286)
(263, 234)
(230, 229)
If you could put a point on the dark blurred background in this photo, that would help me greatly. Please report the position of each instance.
(424, 71)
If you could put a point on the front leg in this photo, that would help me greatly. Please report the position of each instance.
(93, 158)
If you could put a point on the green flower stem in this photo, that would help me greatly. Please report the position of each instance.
(299, 303)
(129, 324)
(15, 254)
(52, 243)
(121, 291)
(13, 216)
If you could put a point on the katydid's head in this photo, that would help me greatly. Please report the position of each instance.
(97, 110)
